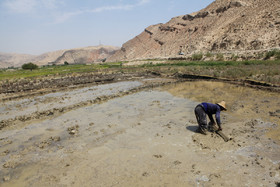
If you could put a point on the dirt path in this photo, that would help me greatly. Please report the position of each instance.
(141, 138)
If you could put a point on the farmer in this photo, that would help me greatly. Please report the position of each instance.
(210, 109)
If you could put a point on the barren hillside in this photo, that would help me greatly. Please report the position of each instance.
(86, 55)
(225, 26)
(77, 55)
(13, 60)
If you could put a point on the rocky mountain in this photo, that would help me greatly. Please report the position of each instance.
(86, 55)
(72, 56)
(241, 27)
(13, 60)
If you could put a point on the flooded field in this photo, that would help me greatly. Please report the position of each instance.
(142, 138)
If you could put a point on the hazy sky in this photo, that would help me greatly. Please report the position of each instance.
(38, 26)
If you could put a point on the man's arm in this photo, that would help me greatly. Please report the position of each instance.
(218, 120)
(211, 118)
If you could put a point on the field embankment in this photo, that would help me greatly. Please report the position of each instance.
(262, 74)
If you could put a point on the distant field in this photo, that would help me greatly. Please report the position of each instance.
(53, 70)
(266, 71)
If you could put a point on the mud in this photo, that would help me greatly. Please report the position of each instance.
(135, 133)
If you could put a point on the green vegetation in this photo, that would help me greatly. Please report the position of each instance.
(57, 70)
(213, 63)
(29, 66)
(265, 71)
(220, 57)
(208, 54)
(234, 57)
(197, 56)
(273, 53)
(260, 70)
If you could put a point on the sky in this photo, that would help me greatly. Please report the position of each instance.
(39, 26)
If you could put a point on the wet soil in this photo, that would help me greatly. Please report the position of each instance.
(139, 132)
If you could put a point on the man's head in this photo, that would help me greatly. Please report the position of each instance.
(222, 105)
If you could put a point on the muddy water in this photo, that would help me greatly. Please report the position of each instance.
(145, 139)
(243, 103)
(20, 107)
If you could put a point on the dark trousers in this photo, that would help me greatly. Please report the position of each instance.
(200, 116)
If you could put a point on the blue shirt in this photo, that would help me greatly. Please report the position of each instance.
(211, 109)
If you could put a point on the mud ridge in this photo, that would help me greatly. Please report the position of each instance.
(27, 87)
(58, 111)
(247, 83)
(16, 89)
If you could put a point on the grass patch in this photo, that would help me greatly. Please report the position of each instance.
(259, 70)
(197, 56)
(220, 57)
(56, 70)
(267, 71)
(273, 53)
(208, 54)
(212, 63)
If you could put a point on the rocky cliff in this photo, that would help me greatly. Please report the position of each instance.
(86, 55)
(225, 26)
(73, 56)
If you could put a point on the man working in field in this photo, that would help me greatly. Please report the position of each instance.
(210, 109)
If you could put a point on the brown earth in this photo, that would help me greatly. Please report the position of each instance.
(85, 55)
(242, 28)
(137, 131)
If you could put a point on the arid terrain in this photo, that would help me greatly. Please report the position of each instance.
(85, 55)
(131, 122)
(138, 131)
(225, 29)
(243, 29)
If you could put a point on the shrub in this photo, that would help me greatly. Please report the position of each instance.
(29, 66)
(208, 54)
(234, 57)
(260, 56)
(220, 57)
(246, 63)
(273, 53)
(197, 56)
(277, 55)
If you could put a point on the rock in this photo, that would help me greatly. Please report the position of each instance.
(149, 32)
(221, 9)
(213, 176)
(6, 178)
(73, 130)
(4, 153)
(188, 17)
(158, 156)
(234, 4)
(145, 174)
(79, 55)
(201, 14)
(222, 27)
(10, 164)
(56, 138)
(272, 174)
(177, 162)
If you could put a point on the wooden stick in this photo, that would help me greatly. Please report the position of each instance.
(220, 133)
